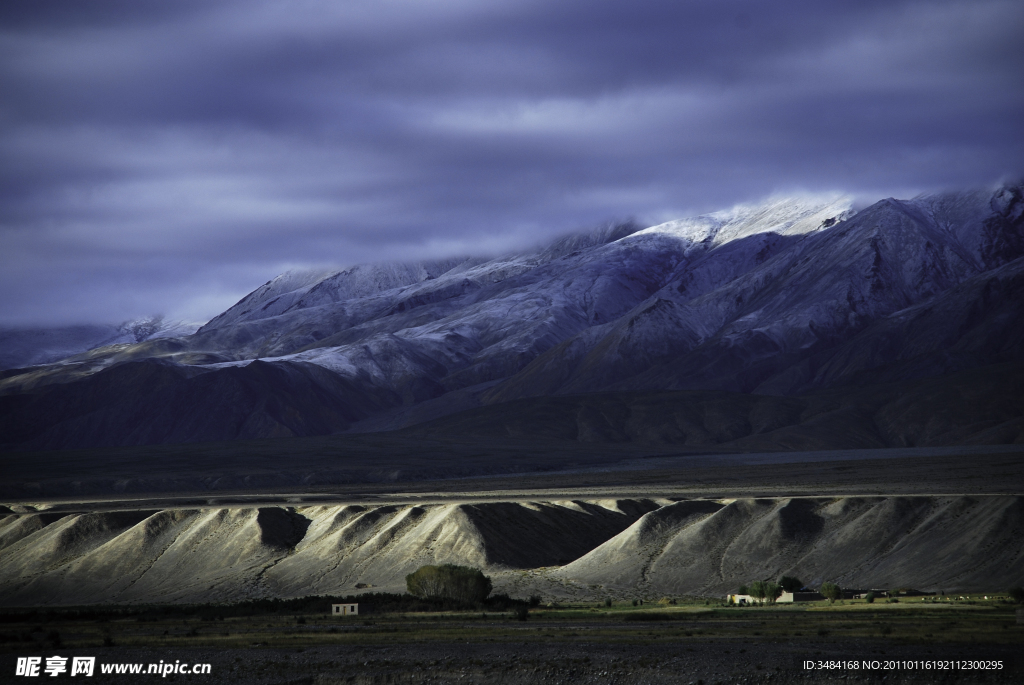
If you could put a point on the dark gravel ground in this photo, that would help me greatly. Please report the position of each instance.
(691, 661)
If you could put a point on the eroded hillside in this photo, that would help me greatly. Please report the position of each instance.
(922, 542)
(624, 547)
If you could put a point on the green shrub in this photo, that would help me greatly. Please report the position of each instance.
(458, 583)
(869, 598)
(1016, 594)
(765, 590)
(831, 591)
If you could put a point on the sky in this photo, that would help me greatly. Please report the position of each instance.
(171, 156)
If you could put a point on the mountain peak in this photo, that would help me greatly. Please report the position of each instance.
(795, 215)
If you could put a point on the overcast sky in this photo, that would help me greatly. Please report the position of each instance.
(172, 156)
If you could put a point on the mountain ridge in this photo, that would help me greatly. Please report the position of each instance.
(790, 297)
(573, 549)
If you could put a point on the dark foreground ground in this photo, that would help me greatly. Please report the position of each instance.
(696, 661)
(930, 642)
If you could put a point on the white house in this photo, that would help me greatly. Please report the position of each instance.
(344, 609)
(784, 598)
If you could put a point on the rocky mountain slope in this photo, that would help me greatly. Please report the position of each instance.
(922, 542)
(624, 548)
(788, 298)
(976, 406)
(185, 555)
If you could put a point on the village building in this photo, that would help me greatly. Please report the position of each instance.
(784, 598)
(811, 596)
(344, 610)
(791, 597)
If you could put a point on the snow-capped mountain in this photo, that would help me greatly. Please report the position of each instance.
(785, 297)
(759, 314)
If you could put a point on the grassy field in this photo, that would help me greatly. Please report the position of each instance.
(691, 641)
(912, 621)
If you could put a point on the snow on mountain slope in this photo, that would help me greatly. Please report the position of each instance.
(779, 215)
(295, 290)
(302, 289)
(493, 318)
(764, 300)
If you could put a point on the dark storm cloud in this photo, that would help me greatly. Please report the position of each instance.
(173, 155)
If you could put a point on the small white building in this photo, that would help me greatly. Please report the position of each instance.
(344, 609)
(784, 598)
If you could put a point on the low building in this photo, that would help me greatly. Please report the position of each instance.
(908, 592)
(784, 598)
(791, 597)
(344, 610)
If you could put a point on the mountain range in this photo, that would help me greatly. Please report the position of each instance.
(796, 323)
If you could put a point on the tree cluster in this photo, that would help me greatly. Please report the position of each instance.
(762, 590)
(765, 590)
(831, 591)
(460, 584)
(791, 584)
